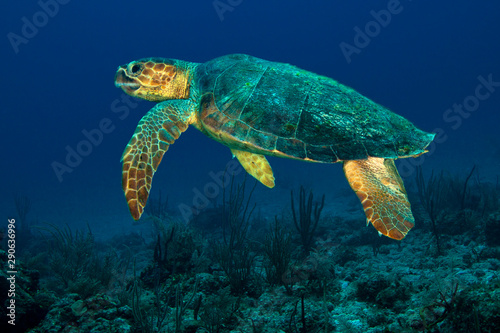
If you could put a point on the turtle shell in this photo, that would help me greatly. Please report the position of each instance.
(278, 109)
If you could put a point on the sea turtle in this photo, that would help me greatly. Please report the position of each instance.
(258, 107)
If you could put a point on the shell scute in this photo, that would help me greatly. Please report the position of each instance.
(308, 116)
(321, 153)
(291, 147)
(264, 140)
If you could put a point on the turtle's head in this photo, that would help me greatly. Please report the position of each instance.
(154, 79)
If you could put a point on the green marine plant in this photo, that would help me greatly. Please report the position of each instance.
(162, 308)
(182, 305)
(23, 207)
(292, 322)
(492, 230)
(484, 197)
(70, 253)
(233, 253)
(322, 277)
(432, 198)
(455, 204)
(278, 250)
(175, 247)
(305, 223)
(157, 208)
(163, 241)
(75, 262)
(149, 319)
(446, 303)
(218, 311)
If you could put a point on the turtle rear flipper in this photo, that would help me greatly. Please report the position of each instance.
(156, 131)
(256, 165)
(380, 189)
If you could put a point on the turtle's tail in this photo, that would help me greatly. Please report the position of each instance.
(422, 141)
(413, 143)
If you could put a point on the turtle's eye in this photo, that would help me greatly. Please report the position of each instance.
(135, 69)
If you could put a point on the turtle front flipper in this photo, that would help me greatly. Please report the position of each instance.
(156, 131)
(380, 189)
(256, 165)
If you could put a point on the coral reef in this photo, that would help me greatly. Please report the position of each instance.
(235, 271)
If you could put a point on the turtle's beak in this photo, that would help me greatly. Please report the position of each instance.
(129, 85)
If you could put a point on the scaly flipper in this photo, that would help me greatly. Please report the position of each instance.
(380, 189)
(156, 131)
(256, 165)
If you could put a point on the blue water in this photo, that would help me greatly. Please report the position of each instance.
(57, 81)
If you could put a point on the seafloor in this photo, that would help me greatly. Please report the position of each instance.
(242, 265)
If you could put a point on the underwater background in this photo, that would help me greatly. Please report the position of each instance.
(435, 63)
